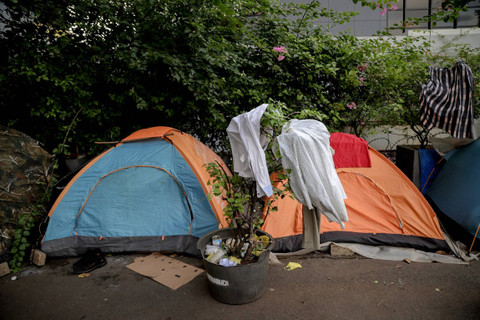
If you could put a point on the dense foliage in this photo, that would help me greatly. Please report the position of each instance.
(75, 72)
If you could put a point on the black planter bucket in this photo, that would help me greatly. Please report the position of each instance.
(240, 284)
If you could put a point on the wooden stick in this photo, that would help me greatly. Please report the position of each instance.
(107, 142)
(135, 140)
(475, 237)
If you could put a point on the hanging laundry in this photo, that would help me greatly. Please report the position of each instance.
(446, 101)
(305, 149)
(247, 149)
(350, 151)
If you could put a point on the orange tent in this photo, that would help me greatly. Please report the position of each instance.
(384, 208)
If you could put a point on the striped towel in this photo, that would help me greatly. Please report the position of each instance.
(446, 101)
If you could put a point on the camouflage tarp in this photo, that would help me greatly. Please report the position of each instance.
(24, 172)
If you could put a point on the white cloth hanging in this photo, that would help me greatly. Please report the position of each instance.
(247, 149)
(305, 149)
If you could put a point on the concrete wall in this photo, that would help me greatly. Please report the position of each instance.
(387, 138)
(443, 38)
(368, 22)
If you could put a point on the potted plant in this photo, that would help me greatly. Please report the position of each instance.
(243, 244)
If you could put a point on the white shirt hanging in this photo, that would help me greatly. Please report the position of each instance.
(305, 149)
(247, 149)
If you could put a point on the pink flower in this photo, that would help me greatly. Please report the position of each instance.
(351, 106)
(362, 67)
(382, 13)
(361, 81)
(280, 49)
(394, 7)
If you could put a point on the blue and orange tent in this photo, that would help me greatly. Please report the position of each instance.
(147, 193)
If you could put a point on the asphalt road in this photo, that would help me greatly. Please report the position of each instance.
(325, 287)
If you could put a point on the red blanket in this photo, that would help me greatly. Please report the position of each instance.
(350, 151)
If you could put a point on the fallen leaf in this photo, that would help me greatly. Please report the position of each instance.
(436, 289)
(84, 275)
(292, 265)
(376, 281)
(407, 260)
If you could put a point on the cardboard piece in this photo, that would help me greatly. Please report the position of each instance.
(4, 269)
(165, 270)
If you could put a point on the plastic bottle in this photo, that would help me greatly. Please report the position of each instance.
(216, 256)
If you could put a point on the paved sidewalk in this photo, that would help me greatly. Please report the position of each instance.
(324, 288)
